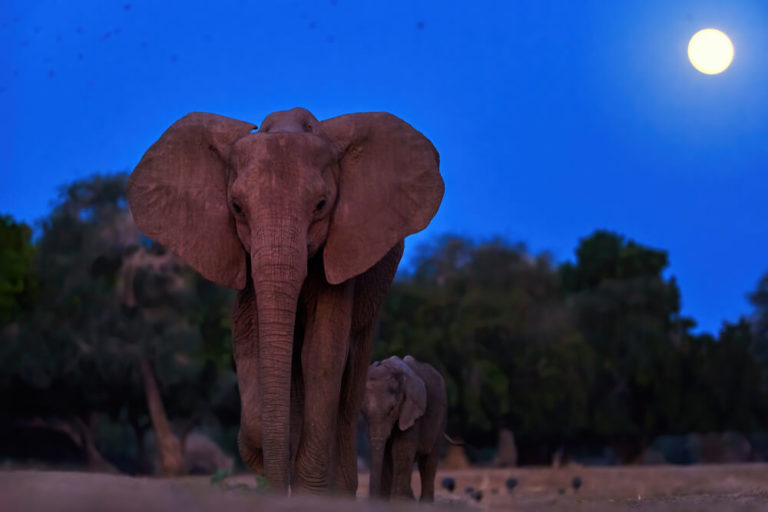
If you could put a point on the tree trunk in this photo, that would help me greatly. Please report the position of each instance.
(142, 462)
(94, 458)
(168, 445)
(81, 435)
(455, 458)
(506, 454)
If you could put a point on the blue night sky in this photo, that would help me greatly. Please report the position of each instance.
(552, 119)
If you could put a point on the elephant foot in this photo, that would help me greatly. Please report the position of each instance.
(252, 456)
(302, 487)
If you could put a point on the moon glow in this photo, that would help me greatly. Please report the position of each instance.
(710, 51)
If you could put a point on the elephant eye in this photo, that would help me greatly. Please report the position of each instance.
(320, 205)
(236, 207)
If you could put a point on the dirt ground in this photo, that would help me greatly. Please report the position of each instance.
(665, 488)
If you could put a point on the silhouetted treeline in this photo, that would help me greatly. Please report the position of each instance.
(574, 357)
(106, 338)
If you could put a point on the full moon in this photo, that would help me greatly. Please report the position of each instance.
(710, 51)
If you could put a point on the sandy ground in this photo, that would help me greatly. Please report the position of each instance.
(665, 488)
(695, 488)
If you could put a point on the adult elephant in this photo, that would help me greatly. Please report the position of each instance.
(306, 219)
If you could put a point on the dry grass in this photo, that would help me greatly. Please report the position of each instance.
(665, 488)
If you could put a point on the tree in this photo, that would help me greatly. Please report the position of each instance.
(759, 323)
(733, 375)
(117, 327)
(17, 279)
(629, 314)
(492, 319)
(591, 353)
(759, 300)
(56, 367)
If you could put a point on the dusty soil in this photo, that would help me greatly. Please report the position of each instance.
(694, 488)
(665, 488)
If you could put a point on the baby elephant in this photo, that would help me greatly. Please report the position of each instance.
(405, 409)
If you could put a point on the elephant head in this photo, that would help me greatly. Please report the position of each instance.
(394, 395)
(248, 208)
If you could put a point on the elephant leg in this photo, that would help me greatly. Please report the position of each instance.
(297, 412)
(427, 470)
(251, 451)
(403, 455)
(323, 360)
(245, 331)
(386, 473)
(352, 394)
(370, 289)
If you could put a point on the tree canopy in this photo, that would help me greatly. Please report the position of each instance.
(107, 301)
(17, 278)
(590, 351)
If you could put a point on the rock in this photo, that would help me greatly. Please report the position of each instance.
(576, 483)
(203, 456)
(455, 458)
(759, 443)
(506, 454)
(674, 449)
(726, 447)
(652, 457)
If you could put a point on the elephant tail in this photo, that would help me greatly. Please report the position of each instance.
(455, 442)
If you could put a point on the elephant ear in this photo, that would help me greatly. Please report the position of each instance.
(415, 401)
(390, 187)
(178, 195)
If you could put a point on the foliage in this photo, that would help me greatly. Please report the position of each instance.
(759, 299)
(220, 475)
(493, 320)
(592, 351)
(629, 314)
(18, 282)
(106, 298)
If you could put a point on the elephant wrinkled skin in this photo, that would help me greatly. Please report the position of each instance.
(306, 219)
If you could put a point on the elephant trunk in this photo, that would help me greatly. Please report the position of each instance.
(279, 268)
(378, 446)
